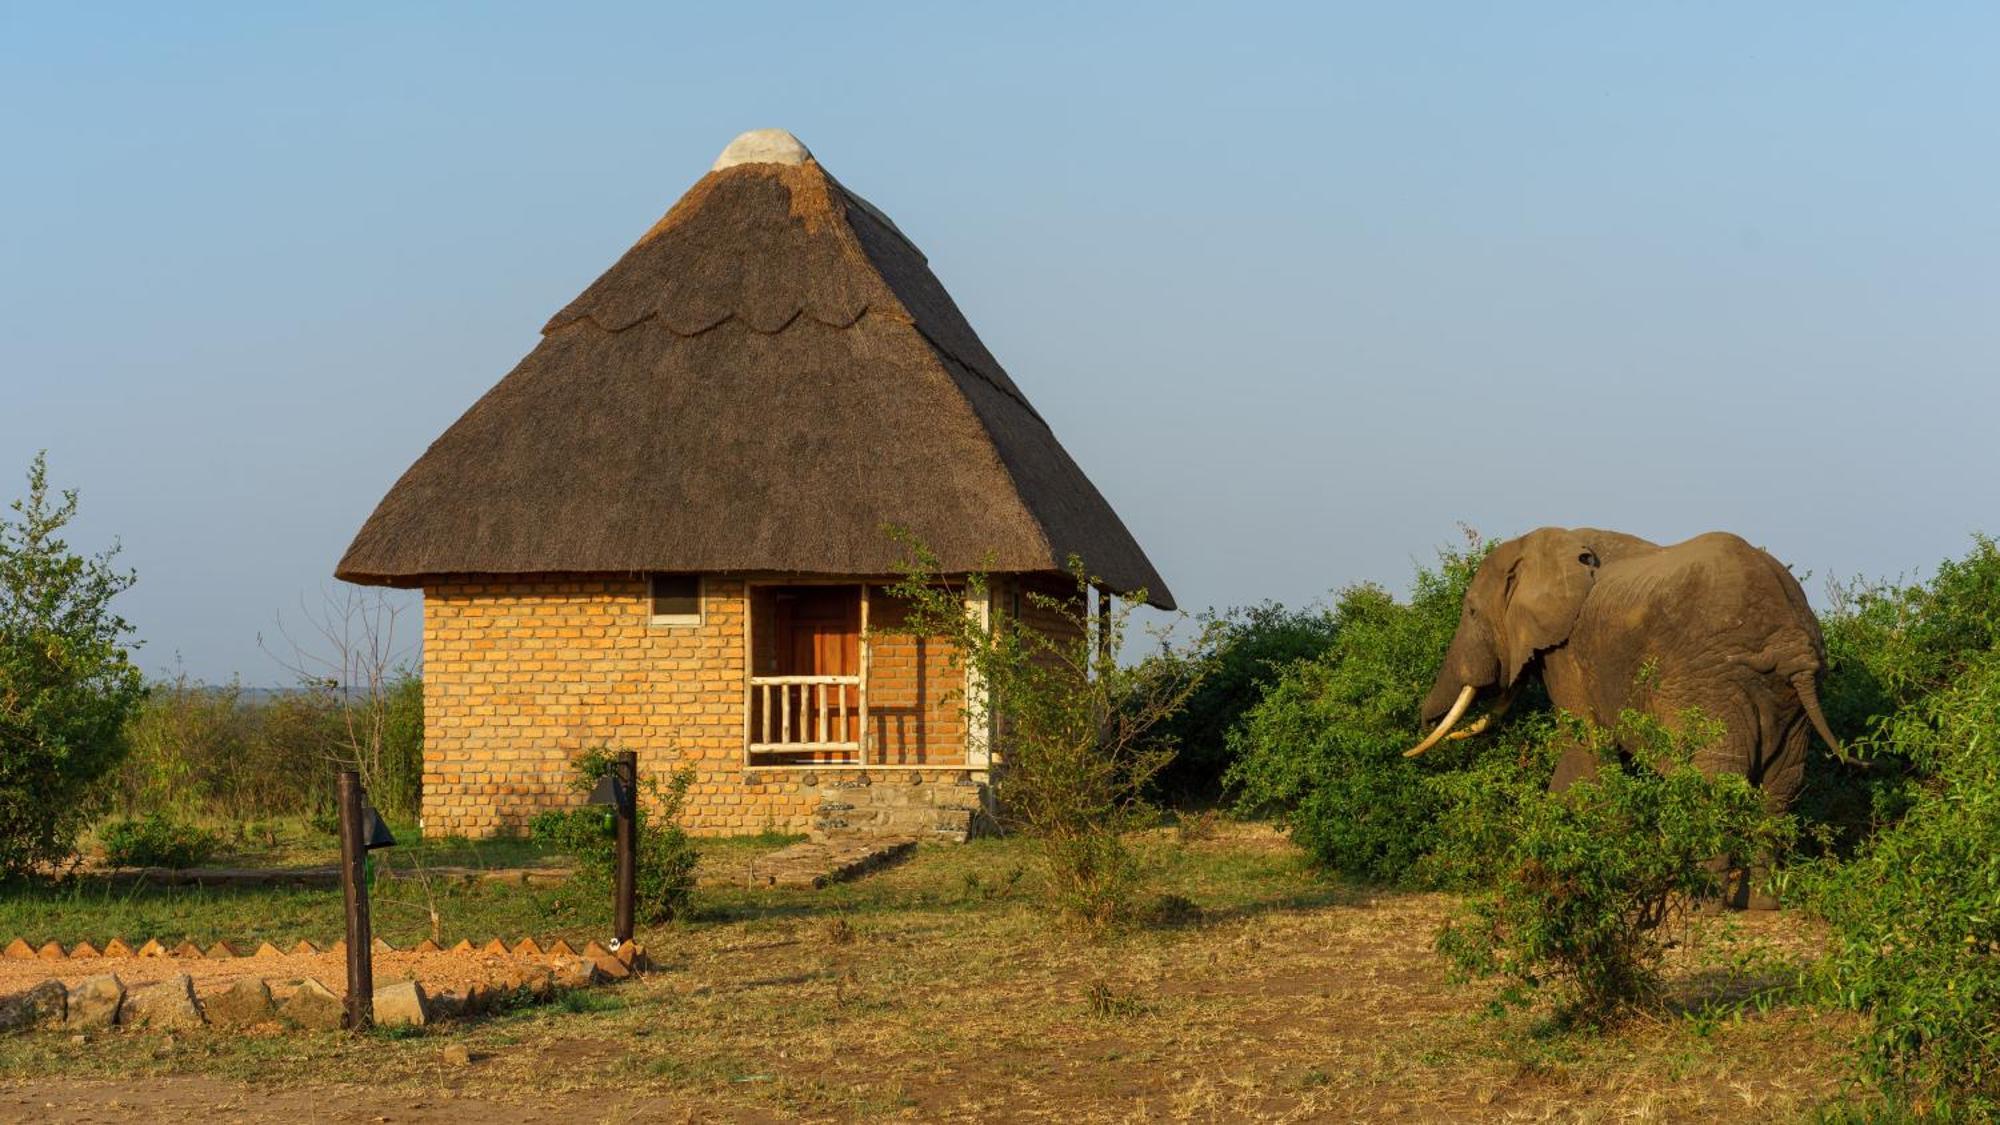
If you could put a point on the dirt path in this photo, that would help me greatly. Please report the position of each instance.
(85, 1102)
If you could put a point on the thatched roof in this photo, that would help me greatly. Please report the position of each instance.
(765, 381)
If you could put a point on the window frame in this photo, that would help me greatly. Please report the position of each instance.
(677, 620)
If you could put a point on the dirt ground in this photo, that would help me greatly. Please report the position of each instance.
(926, 993)
(438, 972)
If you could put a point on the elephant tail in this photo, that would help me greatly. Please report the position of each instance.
(1806, 684)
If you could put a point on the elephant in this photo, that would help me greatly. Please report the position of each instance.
(1612, 622)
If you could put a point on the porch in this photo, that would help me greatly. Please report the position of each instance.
(832, 683)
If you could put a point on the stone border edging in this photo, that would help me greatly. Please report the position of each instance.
(103, 1001)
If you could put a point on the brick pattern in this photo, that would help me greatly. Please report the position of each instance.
(916, 694)
(1065, 627)
(521, 675)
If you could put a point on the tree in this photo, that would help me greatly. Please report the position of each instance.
(357, 668)
(67, 681)
(1074, 744)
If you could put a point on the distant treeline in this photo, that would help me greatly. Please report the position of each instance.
(223, 751)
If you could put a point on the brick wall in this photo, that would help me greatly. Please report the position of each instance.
(519, 676)
(915, 695)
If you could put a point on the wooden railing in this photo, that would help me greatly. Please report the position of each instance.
(806, 714)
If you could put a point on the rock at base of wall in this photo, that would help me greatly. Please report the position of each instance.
(44, 1005)
(246, 1002)
(530, 982)
(95, 1002)
(314, 1006)
(574, 972)
(402, 1004)
(168, 1004)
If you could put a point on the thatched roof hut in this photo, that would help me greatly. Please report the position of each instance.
(766, 380)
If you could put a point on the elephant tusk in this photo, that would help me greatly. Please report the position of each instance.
(1458, 707)
(1480, 724)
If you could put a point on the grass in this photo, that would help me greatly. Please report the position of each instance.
(295, 841)
(97, 909)
(936, 990)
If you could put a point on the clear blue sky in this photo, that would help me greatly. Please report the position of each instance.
(1300, 287)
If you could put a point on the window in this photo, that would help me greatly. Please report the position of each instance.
(676, 599)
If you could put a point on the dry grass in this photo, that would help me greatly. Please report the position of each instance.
(934, 991)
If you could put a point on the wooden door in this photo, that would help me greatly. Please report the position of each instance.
(819, 634)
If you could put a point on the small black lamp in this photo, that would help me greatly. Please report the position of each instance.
(374, 833)
(610, 791)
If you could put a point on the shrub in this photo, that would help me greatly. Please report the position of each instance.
(156, 841)
(1587, 877)
(663, 877)
(1916, 914)
(67, 681)
(180, 740)
(1075, 744)
(1323, 750)
(1242, 653)
(1890, 646)
(204, 751)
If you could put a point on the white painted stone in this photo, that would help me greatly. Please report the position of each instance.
(762, 146)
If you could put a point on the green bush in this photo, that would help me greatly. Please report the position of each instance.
(1323, 750)
(1586, 877)
(67, 681)
(1241, 654)
(156, 841)
(663, 877)
(201, 751)
(1889, 647)
(1917, 911)
(1075, 732)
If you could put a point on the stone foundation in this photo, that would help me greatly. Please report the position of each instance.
(948, 805)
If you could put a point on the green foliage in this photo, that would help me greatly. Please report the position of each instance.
(1890, 646)
(663, 877)
(202, 751)
(399, 784)
(156, 841)
(67, 681)
(1915, 914)
(1323, 750)
(1242, 653)
(1586, 877)
(1076, 738)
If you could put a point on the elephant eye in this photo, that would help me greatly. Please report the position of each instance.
(1587, 559)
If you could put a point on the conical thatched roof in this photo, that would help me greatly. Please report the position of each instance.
(767, 379)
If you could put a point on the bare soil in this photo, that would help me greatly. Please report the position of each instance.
(930, 993)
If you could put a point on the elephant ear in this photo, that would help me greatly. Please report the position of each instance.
(1546, 587)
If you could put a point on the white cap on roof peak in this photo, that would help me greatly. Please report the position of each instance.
(762, 146)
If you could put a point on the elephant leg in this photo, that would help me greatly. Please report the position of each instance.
(1780, 777)
(1578, 763)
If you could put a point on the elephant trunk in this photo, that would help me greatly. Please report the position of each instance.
(1806, 684)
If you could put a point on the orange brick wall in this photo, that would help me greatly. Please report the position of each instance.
(520, 676)
(916, 696)
(1017, 597)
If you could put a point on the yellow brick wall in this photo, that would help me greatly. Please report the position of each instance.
(519, 676)
(916, 694)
